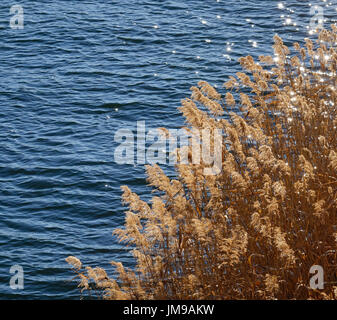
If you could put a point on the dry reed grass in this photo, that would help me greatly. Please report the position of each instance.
(254, 230)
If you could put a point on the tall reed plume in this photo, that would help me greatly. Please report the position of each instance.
(254, 230)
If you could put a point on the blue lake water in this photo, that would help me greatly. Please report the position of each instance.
(77, 72)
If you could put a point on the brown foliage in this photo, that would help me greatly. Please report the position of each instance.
(254, 230)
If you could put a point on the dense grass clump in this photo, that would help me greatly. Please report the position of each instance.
(254, 229)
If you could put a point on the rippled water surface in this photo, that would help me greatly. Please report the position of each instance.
(78, 72)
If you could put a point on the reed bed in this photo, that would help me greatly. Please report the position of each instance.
(254, 229)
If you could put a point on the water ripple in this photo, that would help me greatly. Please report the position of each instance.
(78, 72)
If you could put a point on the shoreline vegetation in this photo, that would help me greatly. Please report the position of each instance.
(256, 229)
